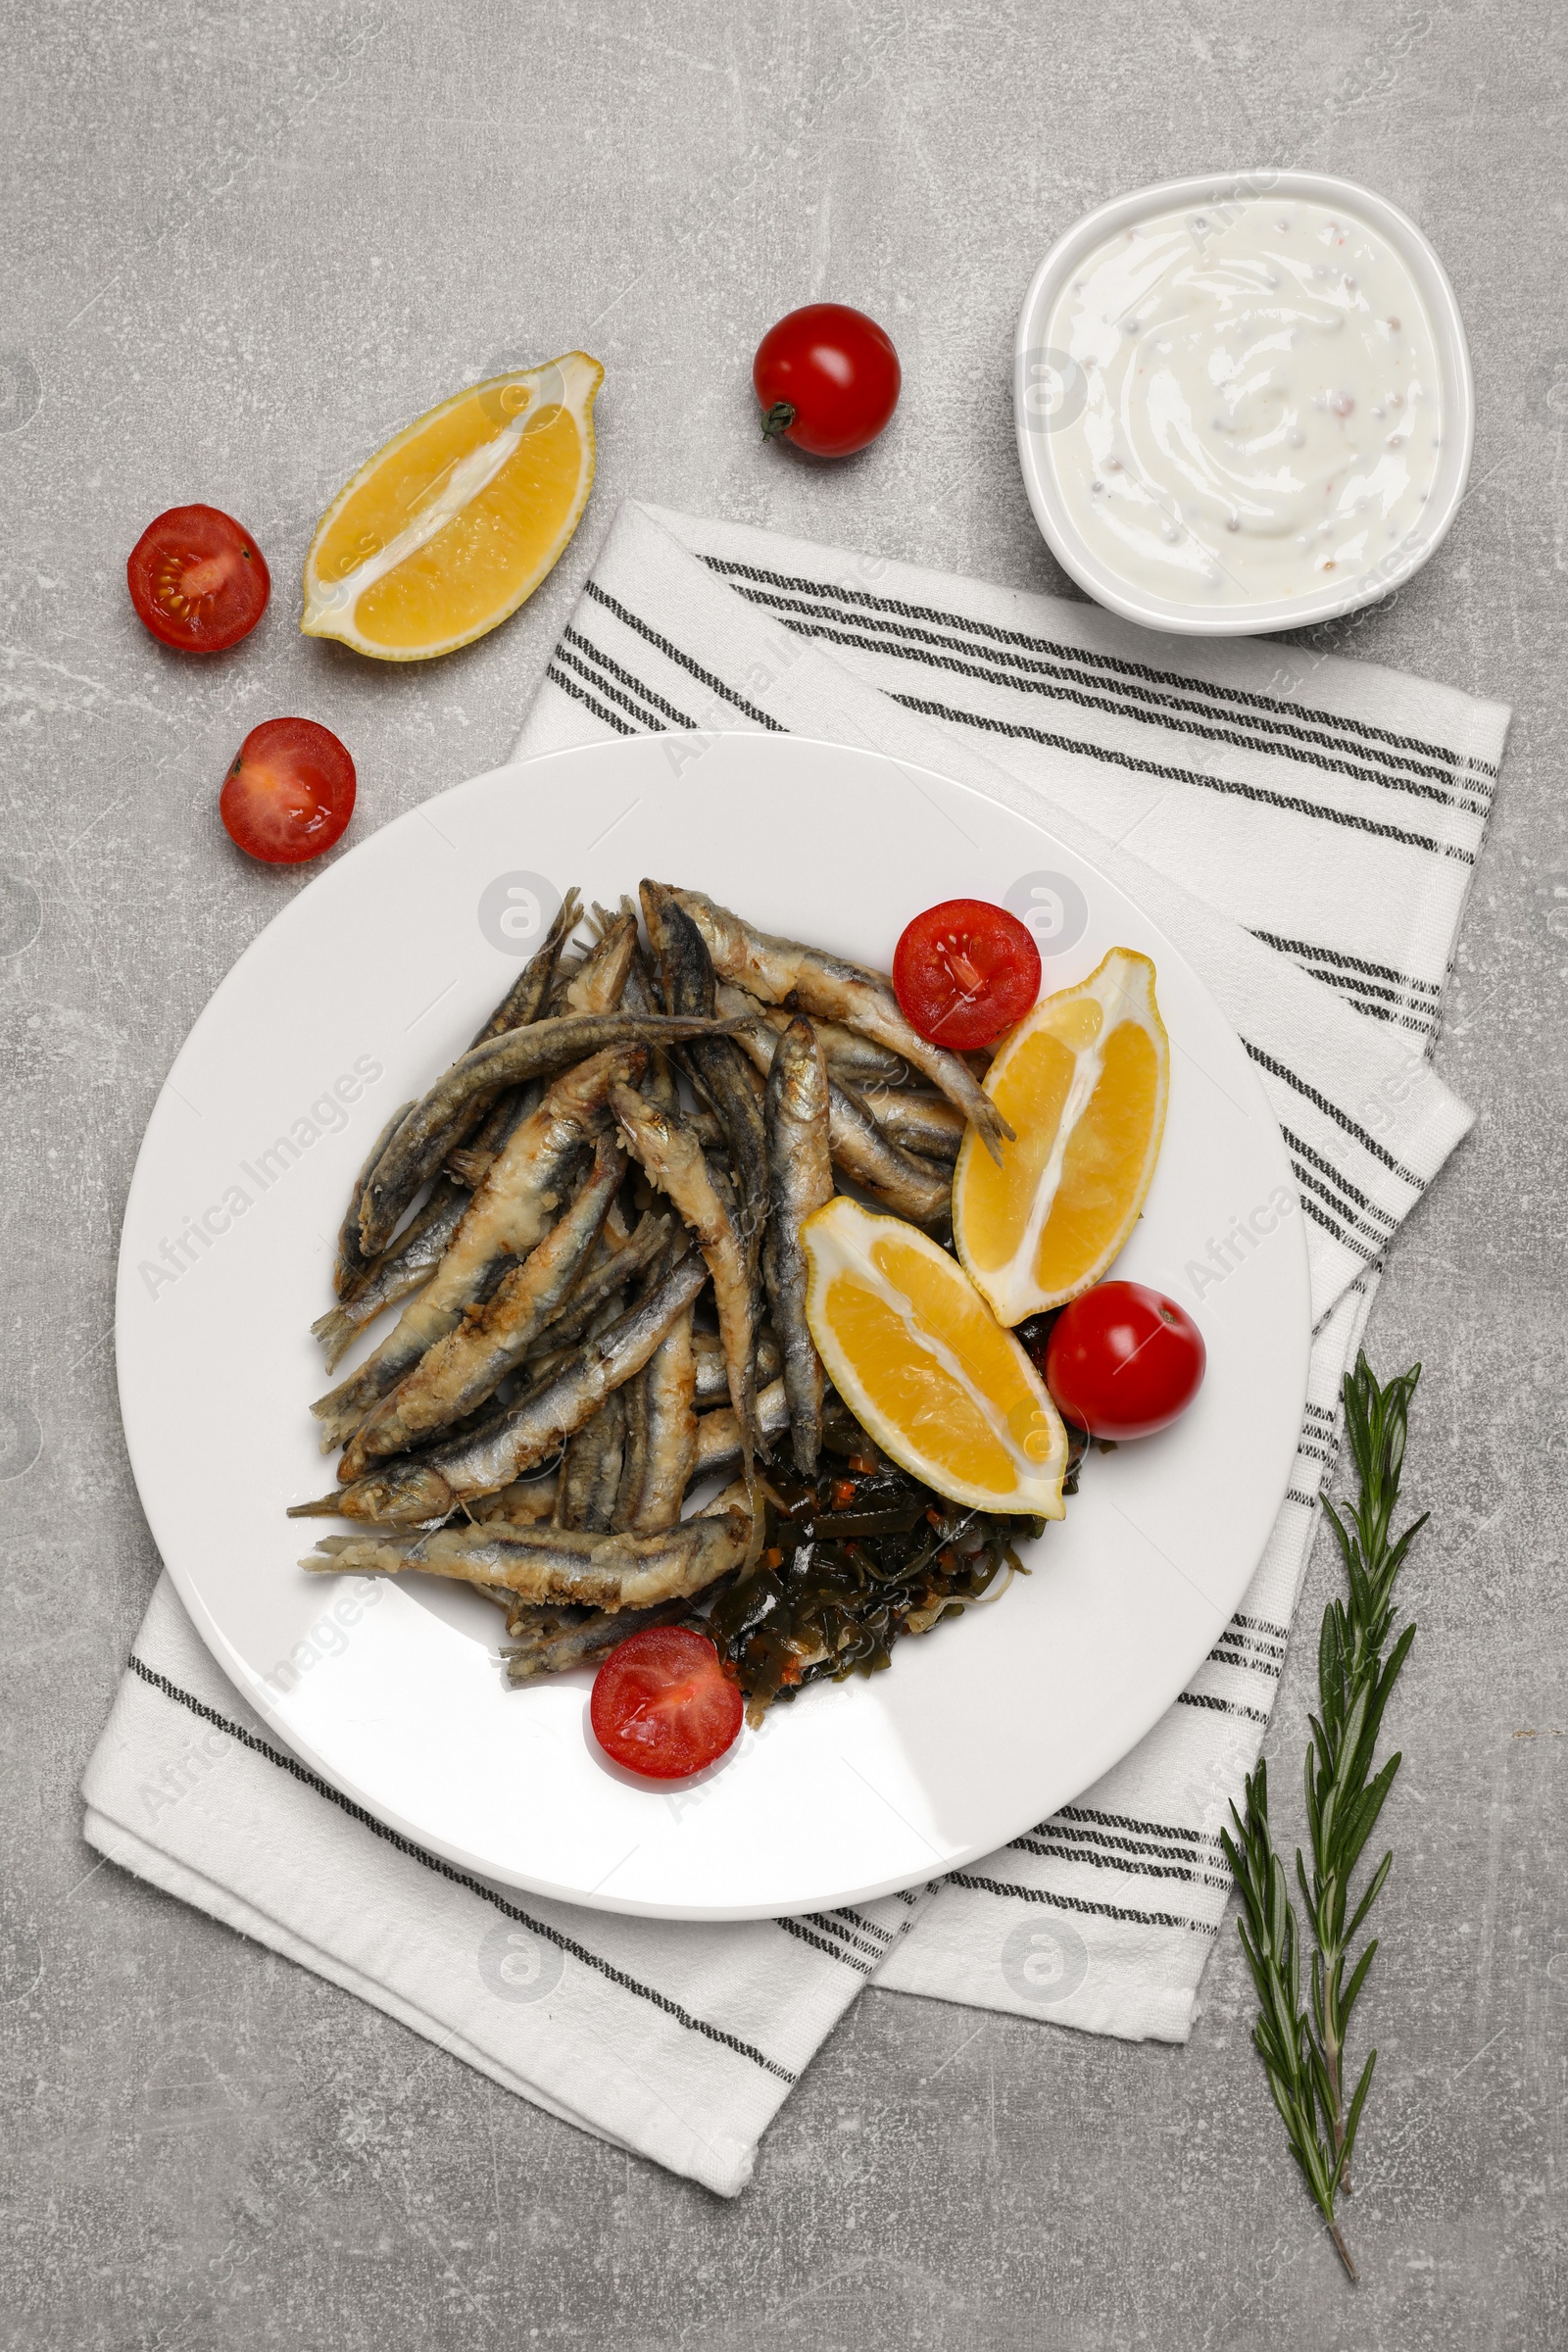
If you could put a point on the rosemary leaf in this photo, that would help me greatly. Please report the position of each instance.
(1302, 2046)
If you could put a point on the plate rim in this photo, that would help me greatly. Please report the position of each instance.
(249, 1687)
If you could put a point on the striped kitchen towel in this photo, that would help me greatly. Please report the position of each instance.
(675, 2040)
(1306, 829)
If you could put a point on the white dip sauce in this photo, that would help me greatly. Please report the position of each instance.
(1258, 408)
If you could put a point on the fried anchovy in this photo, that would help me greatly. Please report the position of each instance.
(600, 980)
(431, 1485)
(637, 995)
(525, 1000)
(672, 1159)
(912, 1188)
(453, 1379)
(427, 1134)
(801, 1171)
(351, 1264)
(524, 1003)
(512, 1210)
(896, 1179)
(715, 1063)
(718, 1435)
(597, 1282)
(665, 1413)
(634, 1455)
(555, 1563)
(925, 1124)
(555, 1640)
(812, 981)
(411, 1260)
(590, 1468)
(854, 1060)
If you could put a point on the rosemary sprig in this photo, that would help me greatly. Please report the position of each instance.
(1303, 2045)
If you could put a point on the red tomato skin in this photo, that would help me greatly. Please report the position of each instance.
(199, 538)
(1124, 1362)
(662, 1705)
(965, 971)
(839, 373)
(290, 792)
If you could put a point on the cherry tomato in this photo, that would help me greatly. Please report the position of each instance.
(965, 971)
(662, 1705)
(289, 793)
(1123, 1361)
(198, 580)
(828, 379)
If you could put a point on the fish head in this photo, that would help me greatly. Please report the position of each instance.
(406, 1494)
(801, 1073)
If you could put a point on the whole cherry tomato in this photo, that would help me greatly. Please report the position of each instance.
(198, 580)
(289, 793)
(1123, 1361)
(662, 1705)
(828, 379)
(965, 971)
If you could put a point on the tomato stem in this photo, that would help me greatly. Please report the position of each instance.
(780, 416)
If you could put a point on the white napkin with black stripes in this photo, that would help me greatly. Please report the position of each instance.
(1305, 828)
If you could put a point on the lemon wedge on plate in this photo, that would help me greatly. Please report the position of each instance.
(1082, 1081)
(451, 525)
(923, 1364)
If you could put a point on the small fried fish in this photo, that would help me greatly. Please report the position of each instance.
(551, 1563)
(801, 1174)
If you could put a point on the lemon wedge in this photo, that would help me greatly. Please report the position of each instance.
(925, 1367)
(1082, 1081)
(453, 525)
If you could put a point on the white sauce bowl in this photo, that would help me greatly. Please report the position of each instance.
(1043, 403)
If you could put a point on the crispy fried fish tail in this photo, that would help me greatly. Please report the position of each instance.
(525, 1000)
(555, 1640)
(599, 984)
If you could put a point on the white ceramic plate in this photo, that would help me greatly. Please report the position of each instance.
(354, 999)
(1043, 390)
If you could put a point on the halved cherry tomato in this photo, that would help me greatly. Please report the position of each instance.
(1123, 1361)
(197, 579)
(965, 971)
(828, 379)
(662, 1705)
(289, 793)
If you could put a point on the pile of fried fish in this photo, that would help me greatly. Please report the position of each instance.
(605, 1308)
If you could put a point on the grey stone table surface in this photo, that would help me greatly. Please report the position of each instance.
(242, 246)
